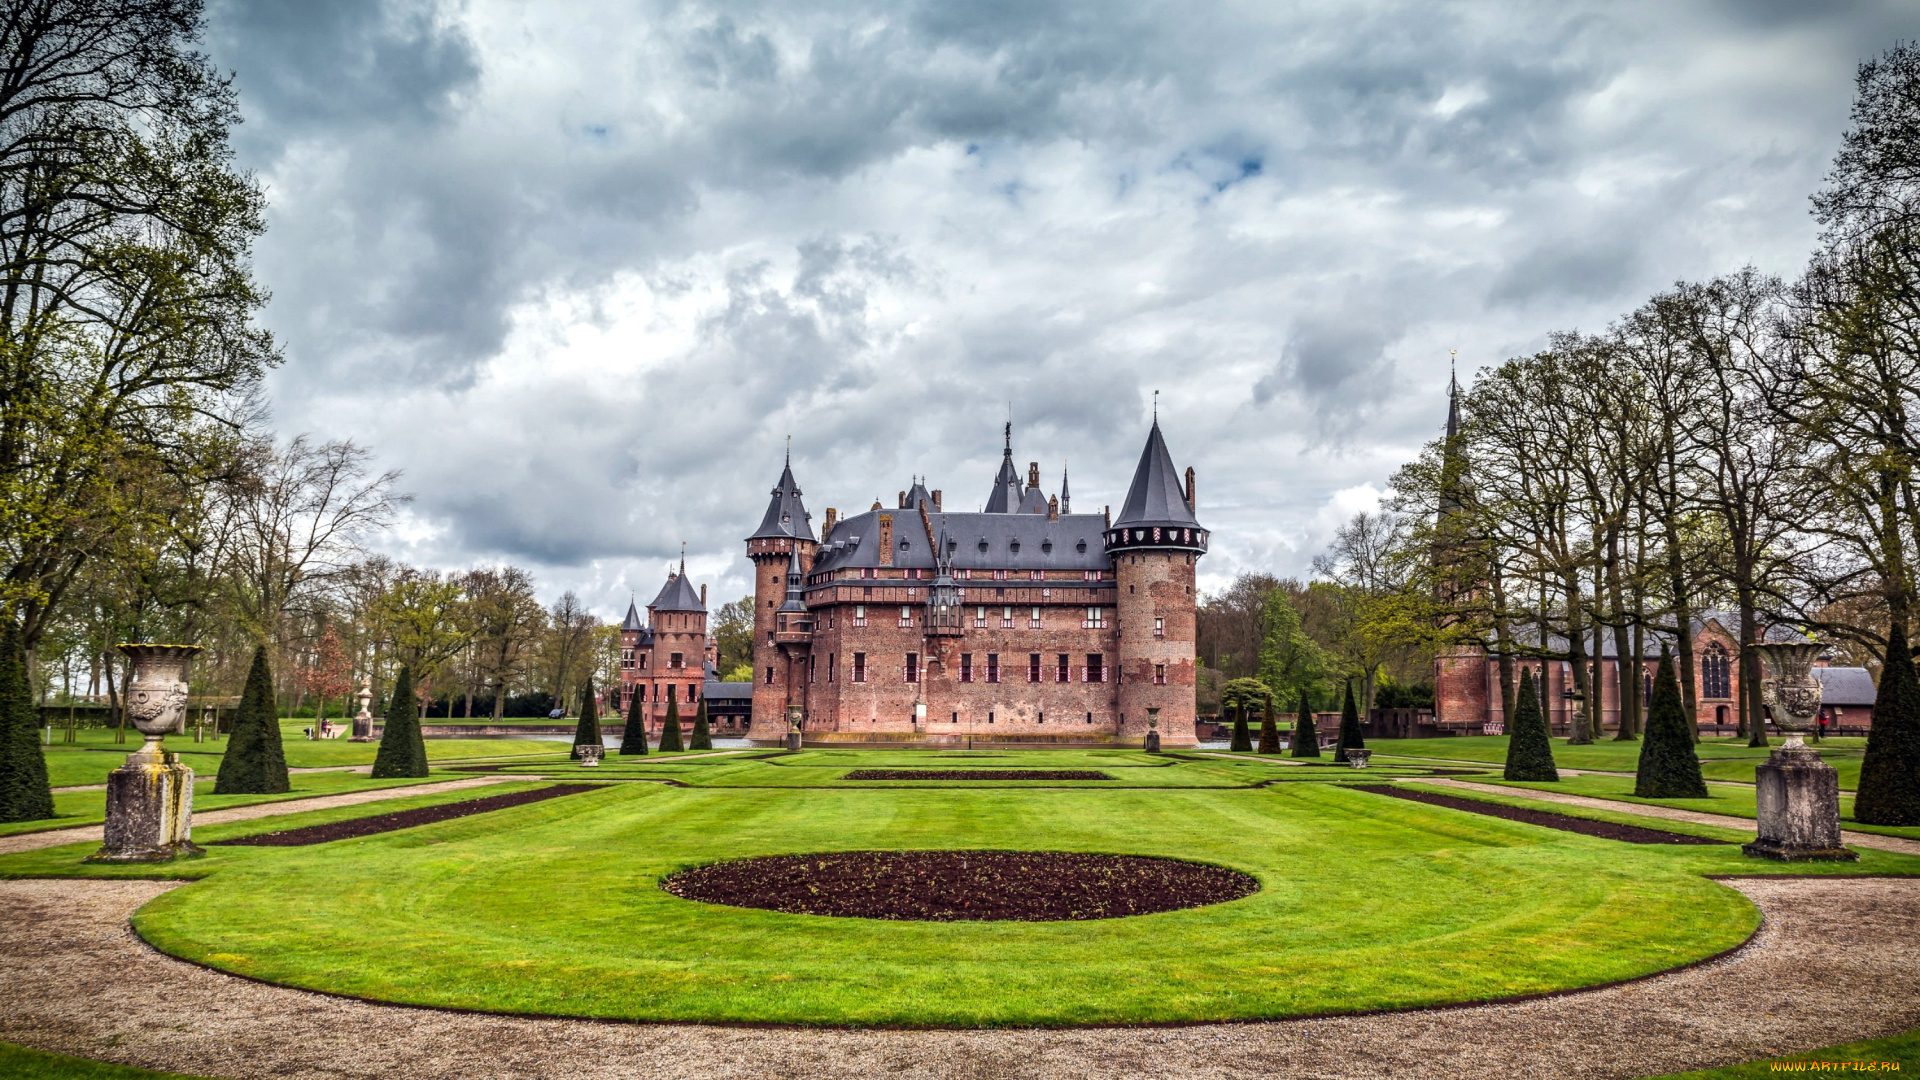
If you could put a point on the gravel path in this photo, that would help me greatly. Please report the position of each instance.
(1835, 961)
(1725, 821)
(92, 833)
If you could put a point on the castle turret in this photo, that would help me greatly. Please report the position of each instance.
(1005, 498)
(782, 547)
(677, 632)
(1155, 543)
(1461, 695)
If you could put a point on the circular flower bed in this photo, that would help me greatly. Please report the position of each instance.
(947, 886)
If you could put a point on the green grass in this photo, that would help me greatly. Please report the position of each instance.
(76, 808)
(1902, 1049)
(89, 760)
(18, 1061)
(553, 907)
(1731, 757)
(1722, 799)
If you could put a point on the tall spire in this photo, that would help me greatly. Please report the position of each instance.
(1453, 397)
(1452, 458)
(1066, 500)
(1006, 486)
(786, 515)
(796, 593)
(1156, 497)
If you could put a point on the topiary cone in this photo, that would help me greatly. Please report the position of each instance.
(1669, 767)
(1350, 735)
(255, 762)
(702, 737)
(587, 731)
(1269, 730)
(633, 741)
(1306, 740)
(402, 752)
(670, 734)
(1889, 792)
(1529, 747)
(1242, 741)
(24, 792)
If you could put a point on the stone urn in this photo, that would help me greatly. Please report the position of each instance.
(363, 720)
(1798, 795)
(1153, 731)
(1357, 757)
(150, 798)
(794, 718)
(590, 755)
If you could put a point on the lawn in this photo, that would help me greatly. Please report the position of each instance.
(553, 907)
(1721, 759)
(1722, 799)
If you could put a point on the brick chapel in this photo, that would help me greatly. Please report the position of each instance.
(1022, 623)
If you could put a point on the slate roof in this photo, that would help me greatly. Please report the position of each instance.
(1042, 544)
(632, 621)
(786, 514)
(715, 690)
(1005, 498)
(678, 594)
(1156, 497)
(918, 494)
(1033, 502)
(1845, 685)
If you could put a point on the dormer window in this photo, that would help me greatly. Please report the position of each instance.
(1047, 545)
(983, 543)
(1016, 547)
(1081, 547)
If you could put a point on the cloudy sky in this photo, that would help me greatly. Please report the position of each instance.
(580, 270)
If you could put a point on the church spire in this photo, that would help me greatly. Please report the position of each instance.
(1006, 486)
(786, 515)
(1066, 500)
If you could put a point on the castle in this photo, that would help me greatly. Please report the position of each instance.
(1022, 623)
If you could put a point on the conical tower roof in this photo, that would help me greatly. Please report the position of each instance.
(678, 594)
(1156, 497)
(633, 620)
(1006, 486)
(786, 515)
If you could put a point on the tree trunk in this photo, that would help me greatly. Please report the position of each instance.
(1750, 669)
(115, 714)
(1579, 728)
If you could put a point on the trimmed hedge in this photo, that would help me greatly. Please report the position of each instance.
(1529, 748)
(1889, 791)
(255, 763)
(402, 751)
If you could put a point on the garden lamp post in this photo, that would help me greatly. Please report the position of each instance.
(1798, 795)
(150, 798)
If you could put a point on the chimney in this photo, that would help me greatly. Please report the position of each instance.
(1053, 508)
(832, 516)
(703, 595)
(1033, 474)
(1189, 489)
(902, 504)
(1107, 512)
(936, 500)
(886, 539)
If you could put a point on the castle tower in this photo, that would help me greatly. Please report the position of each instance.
(677, 621)
(1155, 544)
(1460, 691)
(785, 536)
(634, 640)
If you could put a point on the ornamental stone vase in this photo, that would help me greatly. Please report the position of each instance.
(363, 720)
(1798, 795)
(1153, 731)
(794, 715)
(150, 798)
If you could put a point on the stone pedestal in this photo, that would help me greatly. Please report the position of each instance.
(1799, 803)
(1153, 742)
(149, 809)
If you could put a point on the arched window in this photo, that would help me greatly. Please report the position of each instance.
(1716, 673)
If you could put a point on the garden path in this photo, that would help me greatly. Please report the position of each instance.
(91, 833)
(1697, 817)
(1833, 961)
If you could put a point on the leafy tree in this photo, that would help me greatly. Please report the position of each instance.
(702, 737)
(255, 763)
(633, 740)
(24, 794)
(587, 732)
(670, 731)
(1269, 728)
(1529, 748)
(330, 675)
(1889, 792)
(1669, 767)
(1306, 741)
(402, 751)
(731, 630)
(1289, 658)
(1350, 735)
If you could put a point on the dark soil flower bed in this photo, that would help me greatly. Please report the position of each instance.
(950, 886)
(404, 819)
(1607, 830)
(975, 774)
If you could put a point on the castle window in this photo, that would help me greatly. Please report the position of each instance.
(980, 618)
(813, 668)
(833, 667)
(1716, 673)
(1036, 575)
(676, 660)
(859, 614)
(1063, 672)
(643, 661)
(1081, 547)
(1006, 618)
(906, 615)
(1090, 575)
(1096, 619)
(859, 667)
(963, 575)
(769, 674)
(1159, 674)
(913, 667)
(993, 667)
(999, 575)
(1159, 627)
(672, 689)
(1033, 669)
(966, 667)
(1096, 667)
(643, 686)
(626, 658)
(1033, 619)
(866, 571)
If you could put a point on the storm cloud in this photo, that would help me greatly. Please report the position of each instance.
(580, 270)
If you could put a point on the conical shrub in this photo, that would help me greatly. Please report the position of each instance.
(1242, 739)
(1269, 727)
(670, 732)
(702, 736)
(1350, 736)
(1889, 792)
(587, 731)
(24, 791)
(402, 751)
(1306, 740)
(1669, 767)
(255, 762)
(633, 741)
(1529, 747)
